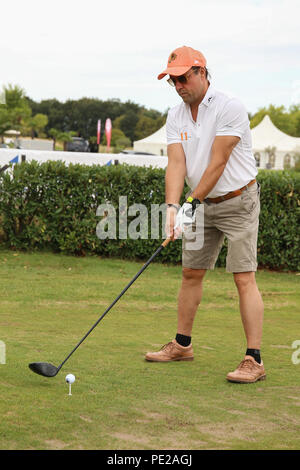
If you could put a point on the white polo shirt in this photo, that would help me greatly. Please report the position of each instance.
(218, 114)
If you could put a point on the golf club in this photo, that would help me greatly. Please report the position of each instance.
(49, 370)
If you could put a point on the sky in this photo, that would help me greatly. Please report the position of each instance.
(116, 48)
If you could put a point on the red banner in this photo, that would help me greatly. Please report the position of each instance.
(98, 131)
(108, 128)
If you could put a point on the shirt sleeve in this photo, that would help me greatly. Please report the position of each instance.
(233, 119)
(173, 136)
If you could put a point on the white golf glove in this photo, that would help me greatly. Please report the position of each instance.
(186, 215)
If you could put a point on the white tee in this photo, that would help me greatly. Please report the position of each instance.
(218, 114)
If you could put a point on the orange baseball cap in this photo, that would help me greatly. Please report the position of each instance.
(181, 60)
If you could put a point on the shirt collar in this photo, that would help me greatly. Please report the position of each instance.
(209, 96)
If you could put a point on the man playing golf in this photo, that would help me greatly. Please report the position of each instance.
(209, 145)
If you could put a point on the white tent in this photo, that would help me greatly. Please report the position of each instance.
(155, 143)
(265, 134)
(273, 148)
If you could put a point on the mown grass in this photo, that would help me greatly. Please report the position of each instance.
(119, 401)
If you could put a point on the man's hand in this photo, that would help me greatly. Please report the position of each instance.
(178, 220)
(170, 221)
(186, 216)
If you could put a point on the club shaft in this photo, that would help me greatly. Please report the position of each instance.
(4, 168)
(165, 243)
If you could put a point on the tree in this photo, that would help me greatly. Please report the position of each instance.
(64, 137)
(82, 115)
(17, 105)
(5, 121)
(93, 144)
(35, 125)
(147, 126)
(295, 116)
(122, 143)
(116, 134)
(117, 122)
(54, 133)
(2, 96)
(15, 111)
(127, 124)
(151, 113)
(53, 109)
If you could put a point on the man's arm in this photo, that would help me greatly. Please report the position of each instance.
(220, 153)
(175, 173)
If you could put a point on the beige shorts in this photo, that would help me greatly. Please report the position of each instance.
(237, 219)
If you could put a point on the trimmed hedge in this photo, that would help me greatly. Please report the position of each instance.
(53, 206)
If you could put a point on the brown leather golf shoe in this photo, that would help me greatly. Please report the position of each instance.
(248, 372)
(171, 352)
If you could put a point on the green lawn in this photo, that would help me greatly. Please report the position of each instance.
(119, 401)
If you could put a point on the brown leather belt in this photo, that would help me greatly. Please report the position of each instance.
(230, 195)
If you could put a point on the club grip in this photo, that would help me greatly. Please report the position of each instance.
(166, 242)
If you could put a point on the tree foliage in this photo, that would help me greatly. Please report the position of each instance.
(147, 125)
(16, 111)
(82, 116)
(64, 137)
(115, 135)
(17, 114)
(35, 126)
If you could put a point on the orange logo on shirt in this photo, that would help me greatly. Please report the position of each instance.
(184, 136)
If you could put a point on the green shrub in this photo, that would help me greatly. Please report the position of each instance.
(53, 206)
(279, 236)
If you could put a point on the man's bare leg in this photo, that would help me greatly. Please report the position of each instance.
(189, 299)
(251, 308)
(251, 369)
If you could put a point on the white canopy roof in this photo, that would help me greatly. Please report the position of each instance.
(158, 136)
(155, 143)
(265, 134)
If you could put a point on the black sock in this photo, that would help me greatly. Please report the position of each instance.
(183, 340)
(255, 353)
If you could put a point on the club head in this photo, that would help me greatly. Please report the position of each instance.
(44, 368)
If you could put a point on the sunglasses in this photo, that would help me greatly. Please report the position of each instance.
(181, 79)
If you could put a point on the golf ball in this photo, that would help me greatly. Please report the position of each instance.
(70, 378)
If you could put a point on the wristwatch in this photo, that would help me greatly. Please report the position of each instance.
(177, 206)
(195, 202)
